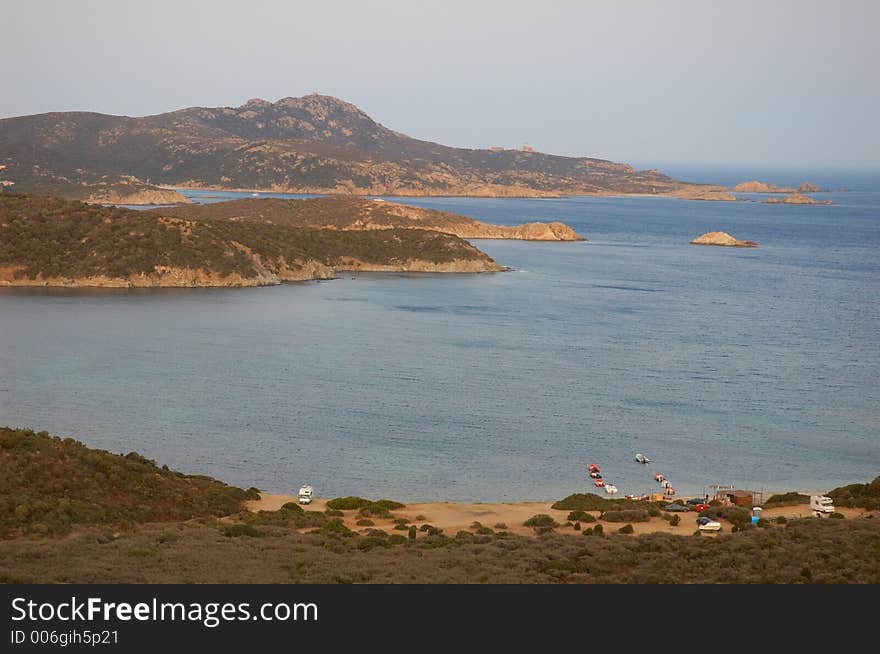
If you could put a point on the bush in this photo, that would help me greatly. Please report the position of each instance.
(348, 503)
(625, 516)
(781, 520)
(625, 529)
(837, 516)
(582, 516)
(592, 502)
(577, 526)
(597, 529)
(396, 539)
(788, 499)
(235, 531)
(674, 520)
(368, 543)
(291, 507)
(390, 505)
(654, 512)
(412, 532)
(420, 518)
(541, 520)
(333, 513)
(500, 525)
(336, 527)
(863, 496)
(365, 522)
(763, 522)
(374, 511)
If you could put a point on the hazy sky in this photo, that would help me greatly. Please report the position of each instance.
(771, 82)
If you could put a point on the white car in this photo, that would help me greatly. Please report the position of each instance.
(707, 524)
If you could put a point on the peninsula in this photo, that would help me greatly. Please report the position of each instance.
(312, 144)
(54, 242)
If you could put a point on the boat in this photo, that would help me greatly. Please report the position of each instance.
(599, 483)
(593, 468)
(669, 490)
(595, 475)
(659, 477)
(611, 489)
(641, 458)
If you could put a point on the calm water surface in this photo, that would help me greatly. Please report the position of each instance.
(755, 367)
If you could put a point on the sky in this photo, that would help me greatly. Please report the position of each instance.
(779, 83)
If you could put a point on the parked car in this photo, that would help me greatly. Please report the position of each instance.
(700, 507)
(696, 500)
(708, 524)
(678, 508)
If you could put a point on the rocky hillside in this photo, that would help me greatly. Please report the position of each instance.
(313, 144)
(52, 242)
(353, 213)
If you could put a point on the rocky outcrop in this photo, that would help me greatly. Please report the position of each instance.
(760, 187)
(723, 239)
(806, 187)
(136, 196)
(710, 193)
(795, 198)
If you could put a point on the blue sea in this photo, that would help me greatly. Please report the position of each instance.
(754, 367)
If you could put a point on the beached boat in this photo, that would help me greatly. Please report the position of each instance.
(641, 458)
(611, 489)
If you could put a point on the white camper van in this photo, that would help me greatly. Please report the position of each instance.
(820, 504)
(305, 494)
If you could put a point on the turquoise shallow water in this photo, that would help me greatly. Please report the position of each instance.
(755, 367)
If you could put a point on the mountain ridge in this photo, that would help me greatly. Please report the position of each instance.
(311, 144)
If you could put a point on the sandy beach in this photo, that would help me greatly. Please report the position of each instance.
(453, 517)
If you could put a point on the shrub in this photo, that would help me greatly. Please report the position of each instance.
(582, 516)
(420, 518)
(235, 531)
(333, 513)
(412, 532)
(365, 522)
(336, 527)
(625, 529)
(781, 520)
(763, 522)
(837, 516)
(788, 499)
(368, 543)
(500, 525)
(577, 526)
(541, 520)
(374, 511)
(654, 512)
(674, 520)
(597, 529)
(626, 516)
(396, 539)
(592, 502)
(292, 507)
(348, 503)
(864, 496)
(391, 505)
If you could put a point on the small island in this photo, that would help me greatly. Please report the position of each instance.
(795, 198)
(755, 186)
(723, 239)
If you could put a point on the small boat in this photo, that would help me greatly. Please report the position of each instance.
(593, 468)
(595, 475)
(659, 477)
(641, 458)
(611, 489)
(666, 483)
(599, 483)
(669, 490)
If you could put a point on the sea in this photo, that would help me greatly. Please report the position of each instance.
(756, 368)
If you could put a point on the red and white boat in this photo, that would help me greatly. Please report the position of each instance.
(599, 483)
(658, 477)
